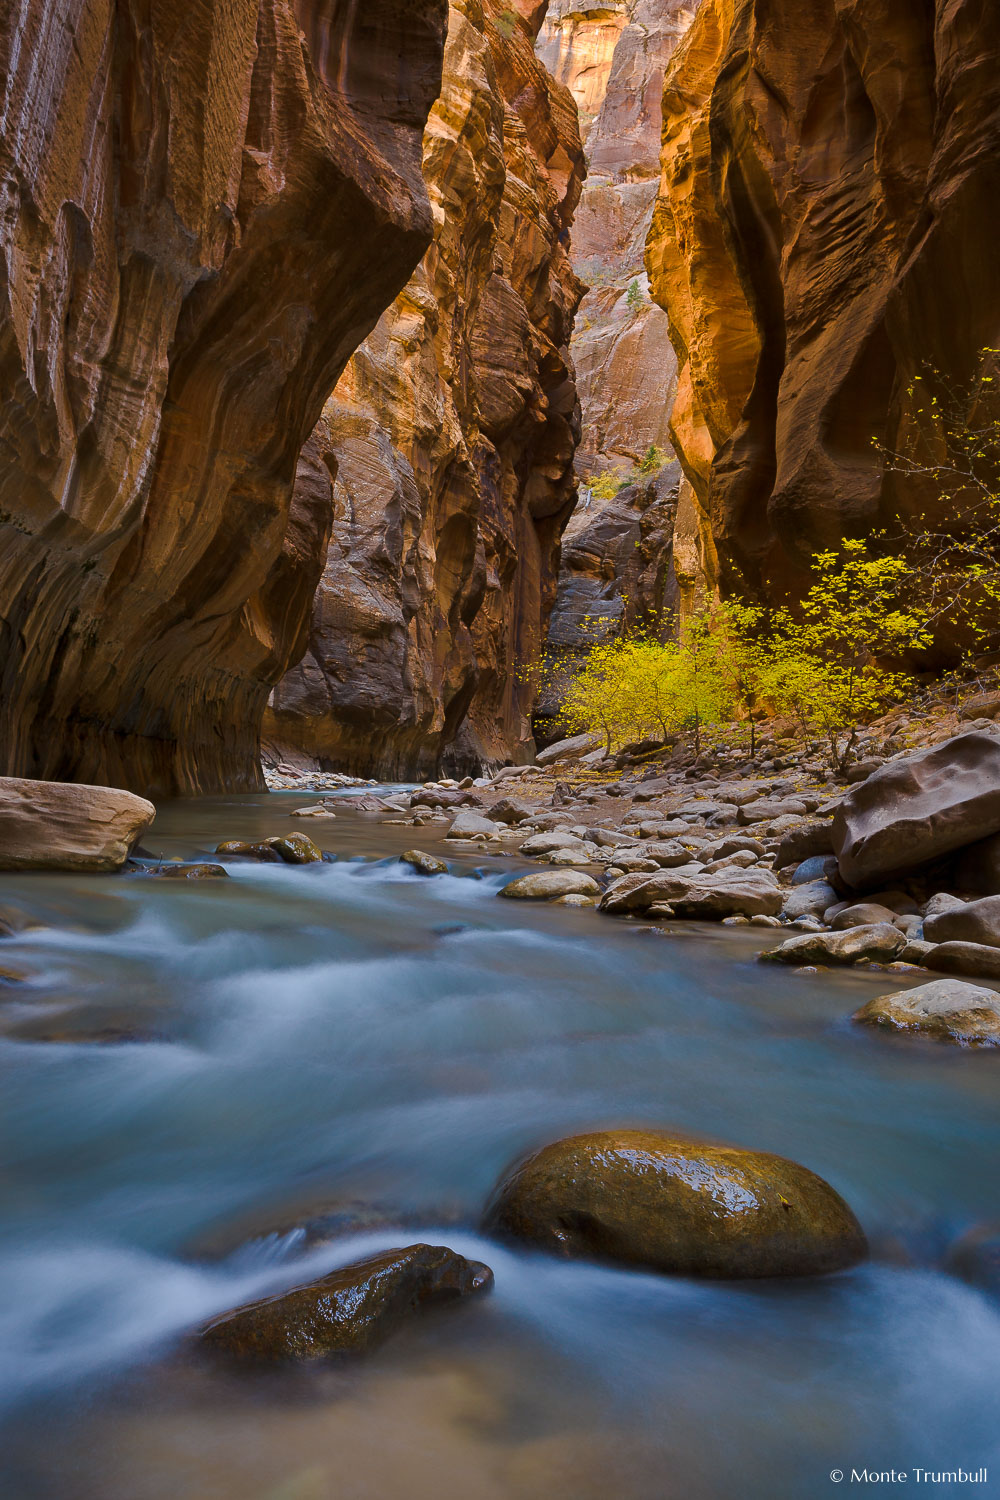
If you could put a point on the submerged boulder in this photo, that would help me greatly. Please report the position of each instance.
(976, 1258)
(919, 808)
(241, 849)
(642, 1197)
(945, 1009)
(349, 1311)
(54, 825)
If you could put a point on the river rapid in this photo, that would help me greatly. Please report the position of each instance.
(355, 1034)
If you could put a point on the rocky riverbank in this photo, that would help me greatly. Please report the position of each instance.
(892, 861)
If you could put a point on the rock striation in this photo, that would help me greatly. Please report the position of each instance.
(205, 209)
(452, 435)
(825, 228)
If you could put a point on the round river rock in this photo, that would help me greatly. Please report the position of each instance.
(644, 1198)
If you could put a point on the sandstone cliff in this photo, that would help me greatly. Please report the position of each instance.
(827, 223)
(206, 207)
(452, 436)
(612, 58)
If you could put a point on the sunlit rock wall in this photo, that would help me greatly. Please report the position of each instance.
(827, 225)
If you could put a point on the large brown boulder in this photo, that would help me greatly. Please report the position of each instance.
(52, 825)
(919, 808)
(349, 1311)
(688, 1207)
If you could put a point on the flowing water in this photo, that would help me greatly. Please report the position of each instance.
(192, 1065)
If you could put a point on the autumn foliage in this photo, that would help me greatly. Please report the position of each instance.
(830, 664)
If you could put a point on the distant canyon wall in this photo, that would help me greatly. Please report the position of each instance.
(827, 224)
(612, 57)
(627, 556)
(206, 208)
(450, 439)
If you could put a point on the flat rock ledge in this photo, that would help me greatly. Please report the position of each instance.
(691, 1208)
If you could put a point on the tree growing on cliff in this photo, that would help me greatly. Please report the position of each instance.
(951, 453)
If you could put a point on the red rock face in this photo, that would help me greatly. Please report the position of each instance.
(452, 436)
(827, 223)
(612, 58)
(206, 207)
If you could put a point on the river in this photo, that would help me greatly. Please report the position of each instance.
(352, 1033)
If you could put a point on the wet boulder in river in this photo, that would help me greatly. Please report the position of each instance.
(916, 809)
(348, 1312)
(879, 942)
(548, 842)
(241, 849)
(52, 825)
(296, 849)
(645, 1198)
(424, 864)
(546, 885)
(946, 1009)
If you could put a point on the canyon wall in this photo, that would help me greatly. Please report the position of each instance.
(206, 207)
(826, 227)
(451, 438)
(612, 57)
(626, 556)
